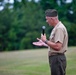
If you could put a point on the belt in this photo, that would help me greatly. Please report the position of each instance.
(53, 53)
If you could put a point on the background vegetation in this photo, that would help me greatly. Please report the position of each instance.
(21, 22)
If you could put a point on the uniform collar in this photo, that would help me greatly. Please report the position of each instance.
(57, 24)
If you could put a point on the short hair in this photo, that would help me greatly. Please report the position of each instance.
(51, 13)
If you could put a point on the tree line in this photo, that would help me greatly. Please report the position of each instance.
(21, 22)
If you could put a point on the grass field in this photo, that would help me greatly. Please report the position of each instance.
(33, 62)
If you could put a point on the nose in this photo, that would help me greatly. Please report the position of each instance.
(46, 17)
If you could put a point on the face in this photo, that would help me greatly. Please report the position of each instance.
(49, 20)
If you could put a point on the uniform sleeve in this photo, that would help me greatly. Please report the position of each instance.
(59, 35)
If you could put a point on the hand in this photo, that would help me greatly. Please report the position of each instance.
(39, 43)
(43, 37)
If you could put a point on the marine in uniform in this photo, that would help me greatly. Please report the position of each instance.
(57, 43)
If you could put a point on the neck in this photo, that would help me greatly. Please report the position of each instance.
(56, 22)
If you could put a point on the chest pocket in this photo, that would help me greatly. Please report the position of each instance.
(52, 35)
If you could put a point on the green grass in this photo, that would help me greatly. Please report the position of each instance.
(33, 62)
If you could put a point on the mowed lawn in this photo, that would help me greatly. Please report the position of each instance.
(33, 62)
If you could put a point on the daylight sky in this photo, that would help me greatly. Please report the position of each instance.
(11, 1)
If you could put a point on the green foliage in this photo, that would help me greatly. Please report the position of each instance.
(21, 25)
(48, 4)
(72, 35)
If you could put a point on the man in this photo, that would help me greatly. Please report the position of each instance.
(57, 43)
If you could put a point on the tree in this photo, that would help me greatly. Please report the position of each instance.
(21, 24)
